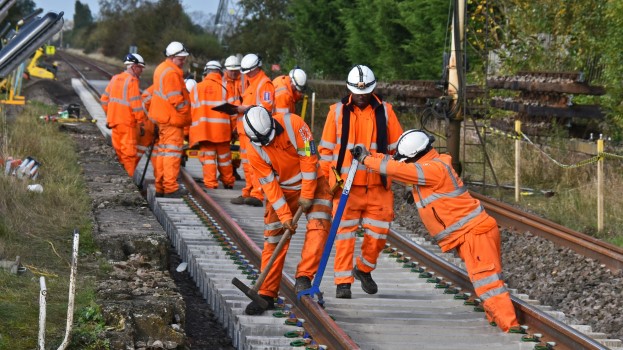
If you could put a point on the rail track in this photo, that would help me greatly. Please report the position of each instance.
(421, 302)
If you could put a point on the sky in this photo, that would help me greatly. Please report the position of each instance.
(205, 6)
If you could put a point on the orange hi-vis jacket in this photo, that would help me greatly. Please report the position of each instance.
(122, 101)
(445, 206)
(208, 124)
(289, 163)
(285, 96)
(170, 103)
(363, 129)
(258, 92)
(234, 94)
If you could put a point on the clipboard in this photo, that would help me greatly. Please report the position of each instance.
(226, 108)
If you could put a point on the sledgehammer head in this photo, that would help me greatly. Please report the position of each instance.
(250, 292)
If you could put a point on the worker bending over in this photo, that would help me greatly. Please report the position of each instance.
(284, 159)
(289, 90)
(452, 216)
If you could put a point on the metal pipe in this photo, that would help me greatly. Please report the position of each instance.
(72, 291)
(42, 308)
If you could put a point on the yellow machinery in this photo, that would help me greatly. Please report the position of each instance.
(41, 70)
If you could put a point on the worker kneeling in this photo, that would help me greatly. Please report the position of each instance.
(283, 156)
(452, 216)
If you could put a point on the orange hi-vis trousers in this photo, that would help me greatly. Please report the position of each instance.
(124, 143)
(215, 156)
(318, 226)
(169, 160)
(252, 186)
(485, 271)
(373, 208)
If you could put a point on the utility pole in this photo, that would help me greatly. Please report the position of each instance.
(456, 86)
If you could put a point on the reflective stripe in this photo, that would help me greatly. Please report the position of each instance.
(272, 226)
(366, 262)
(279, 203)
(282, 110)
(487, 280)
(448, 231)
(267, 179)
(318, 215)
(326, 158)
(348, 273)
(433, 197)
(273, 239)
(345, 236)
(376, 223)
(375, 235)
(172, 147)
(349, 223)
(291, 181)
(493, 292)
(309, 176)
(210, 120)
(169, 154)
(208, 162)
(227, 163)
(383, 168)
(327, 144)
(324, 202)
(292, 188)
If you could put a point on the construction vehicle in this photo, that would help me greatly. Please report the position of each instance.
(40, 69)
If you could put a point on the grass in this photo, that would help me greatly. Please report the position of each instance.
(38, 227)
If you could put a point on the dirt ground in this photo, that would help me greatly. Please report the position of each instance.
(202, 330)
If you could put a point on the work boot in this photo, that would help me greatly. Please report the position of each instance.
(302, 283)
(181, 192)
(343, 291)
(238, 200)
(254, 202)
(254, 308)
(159, 194)
(367, 283)
(228, 187)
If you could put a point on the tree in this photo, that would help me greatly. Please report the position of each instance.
(82, 16)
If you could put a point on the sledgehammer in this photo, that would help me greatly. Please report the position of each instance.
(252, 292)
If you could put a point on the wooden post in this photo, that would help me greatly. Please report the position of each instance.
(517, 159)
(600, 186)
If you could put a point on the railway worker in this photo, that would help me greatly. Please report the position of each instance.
(147, 140)
(170, 108)
(234, 82)
(361, 118)
(283, 156)
(289, 90)
(259, 90)
(212, 129)
(122, 103)
(452, 216)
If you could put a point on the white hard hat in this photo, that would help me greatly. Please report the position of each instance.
(361, 80)
(134, 58)
(299, 78)
(190, 84)
(232, 63)
(176, 48)
(413, 144)
(250, 62)
(212, 65)
(259, 125)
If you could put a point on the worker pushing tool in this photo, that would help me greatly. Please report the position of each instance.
(361, 118)
(452, 216)
(284, 158)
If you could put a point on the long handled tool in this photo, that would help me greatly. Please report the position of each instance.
(252, 292)
(315, 288)
(151, 150)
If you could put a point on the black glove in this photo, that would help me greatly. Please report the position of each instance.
(408, 195)
(156, 129)
(108, 126)
(360, 153)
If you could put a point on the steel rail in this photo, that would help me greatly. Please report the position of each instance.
(552, 329)
(507, 216)
(317, 321)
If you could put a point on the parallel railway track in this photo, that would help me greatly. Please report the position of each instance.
(415, 308)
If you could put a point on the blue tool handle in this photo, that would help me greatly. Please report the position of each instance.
(335, 225)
